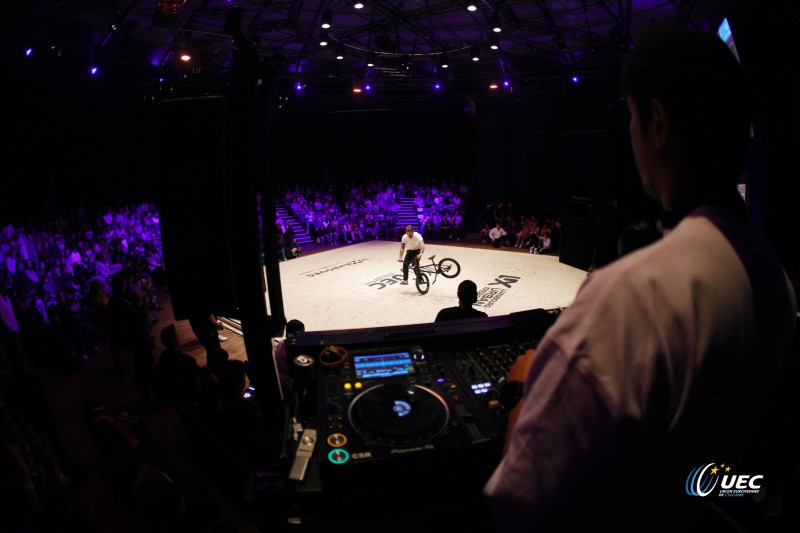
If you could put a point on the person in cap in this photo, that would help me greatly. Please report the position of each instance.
(467, 295)
(414, 246)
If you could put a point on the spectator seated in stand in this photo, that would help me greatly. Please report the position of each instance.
(499, 236)
(179, 375)
(543, 245)
(484, 234)
(293, 250)
(158, 494)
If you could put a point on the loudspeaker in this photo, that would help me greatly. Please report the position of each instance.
(577, 228)
(589, 228)
(194, 227)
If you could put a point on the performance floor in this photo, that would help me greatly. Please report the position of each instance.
(358, 286)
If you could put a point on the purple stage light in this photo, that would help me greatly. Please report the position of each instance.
(575, 79)
(298, 86)
(94, 70)
(437, 85)
(29, 52)
(367, 87)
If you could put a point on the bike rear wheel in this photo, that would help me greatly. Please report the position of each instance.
(423, 283)
(449, 268)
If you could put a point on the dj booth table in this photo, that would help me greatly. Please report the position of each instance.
(398, 428)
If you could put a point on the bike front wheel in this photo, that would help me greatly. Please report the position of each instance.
(449, 268)
(423, 283)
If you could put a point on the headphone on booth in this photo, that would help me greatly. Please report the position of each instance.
(332, 356)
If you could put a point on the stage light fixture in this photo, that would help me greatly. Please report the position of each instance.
(493, 86)
(94, 71)
(359, 5)
(496, 26)
(444, 61)
(472, 7)
(575, 79)
(437, 86)
(494, 44)
(167, 14)
(323, 38)
(476, 52)
(326, 19)
(370, 59)
(340, 51)
(185, 57)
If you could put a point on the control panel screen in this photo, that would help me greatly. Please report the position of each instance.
(383, 365)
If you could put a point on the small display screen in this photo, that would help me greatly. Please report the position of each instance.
(383, 365)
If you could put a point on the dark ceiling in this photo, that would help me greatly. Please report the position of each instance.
(137, 44)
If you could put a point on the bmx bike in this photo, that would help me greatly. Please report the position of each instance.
(447, 267)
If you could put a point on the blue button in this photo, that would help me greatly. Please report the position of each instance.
(338, 456)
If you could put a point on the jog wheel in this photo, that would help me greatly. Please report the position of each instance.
(398, 414)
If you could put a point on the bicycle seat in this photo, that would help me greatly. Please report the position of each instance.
(431, 257)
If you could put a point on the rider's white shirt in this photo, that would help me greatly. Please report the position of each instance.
(412, 243)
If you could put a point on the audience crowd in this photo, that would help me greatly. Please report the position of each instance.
(67, 286)
(59, 275)
(372, 210)
(501, 228)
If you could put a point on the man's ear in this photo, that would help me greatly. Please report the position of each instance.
(659, 124)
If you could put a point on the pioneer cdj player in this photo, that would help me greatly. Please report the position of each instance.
(381, 414)
(400, 401)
